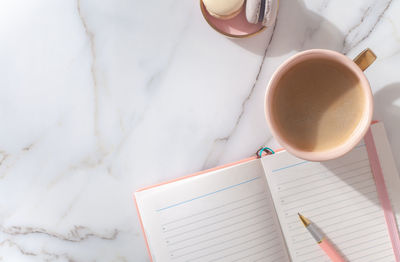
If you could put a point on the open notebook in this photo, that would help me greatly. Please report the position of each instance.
(247, 211)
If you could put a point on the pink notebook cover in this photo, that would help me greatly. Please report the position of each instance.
(376, 170)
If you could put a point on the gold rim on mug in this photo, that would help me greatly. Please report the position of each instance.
(203, 11)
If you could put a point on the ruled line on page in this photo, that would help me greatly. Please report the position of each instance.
(223, 243)
(289, 166)
(237, 252)
(355, 218)
(321, 200)
(265, 257)
(365, 235)
(386, 256)
(351, 246)
(270, 256)
(247, 256)
(208, 194)
(214, 208)
(371, 193)
(302, 162)
(223, 213)
(307, 176)
(264, 212)
(364, 253)
(308, 207)
(233, 224)
(352, 251)
(218, 229)
(319, 179)
(284, 201)
(337, 238)
(336, 213)
(334, 239)
(222, 235)
(332, 183)
(212, 231)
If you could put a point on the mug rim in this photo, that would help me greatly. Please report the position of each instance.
(361, 128)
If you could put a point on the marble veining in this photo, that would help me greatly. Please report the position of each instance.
(357, 33)
(100, 98)
(221, 141)
(76, 234)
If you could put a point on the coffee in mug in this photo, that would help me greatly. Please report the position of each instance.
(319, 104)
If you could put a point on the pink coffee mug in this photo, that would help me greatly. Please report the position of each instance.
(356, 67)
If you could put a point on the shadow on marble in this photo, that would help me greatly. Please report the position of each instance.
(297, 28)
(255, 44)
(387, 111)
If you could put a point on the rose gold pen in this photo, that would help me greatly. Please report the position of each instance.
(321, 240)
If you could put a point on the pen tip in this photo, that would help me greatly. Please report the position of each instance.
(304, 220)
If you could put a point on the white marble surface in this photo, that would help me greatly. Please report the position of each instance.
(99, 98)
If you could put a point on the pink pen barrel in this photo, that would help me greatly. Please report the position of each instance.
(330, 251)
(321, 240)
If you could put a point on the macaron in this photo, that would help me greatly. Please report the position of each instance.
(261, 11)
(223, 9)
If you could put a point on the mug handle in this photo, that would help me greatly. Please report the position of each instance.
(365, 59)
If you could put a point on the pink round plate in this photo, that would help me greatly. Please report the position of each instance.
(237, 26)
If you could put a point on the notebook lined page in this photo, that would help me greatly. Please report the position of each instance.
(226, 215)
(339, 196)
